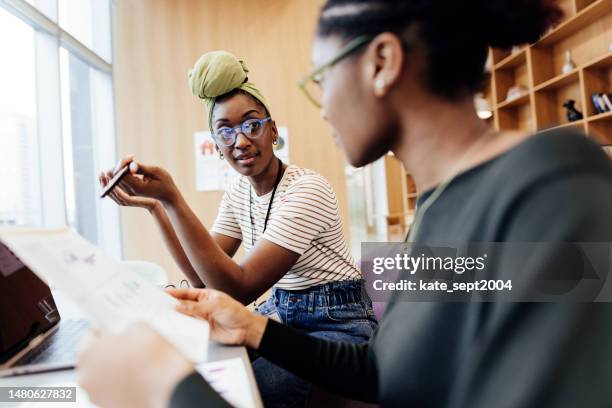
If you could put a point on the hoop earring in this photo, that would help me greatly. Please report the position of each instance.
(275, 142)
(221, 156)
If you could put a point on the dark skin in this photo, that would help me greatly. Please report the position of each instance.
(205, 257)
(396, 112)
(263, 170)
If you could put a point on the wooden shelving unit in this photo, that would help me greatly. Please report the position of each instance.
(586, 31)
(401, 196)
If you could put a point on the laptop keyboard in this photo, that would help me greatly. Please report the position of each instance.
(60, 347)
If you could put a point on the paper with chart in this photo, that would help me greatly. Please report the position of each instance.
(229, 378)
(113, 295)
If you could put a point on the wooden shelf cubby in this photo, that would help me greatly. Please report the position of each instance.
(585, 31)
(510, 73)
(549, 100)
(516, 114)
(397, 211)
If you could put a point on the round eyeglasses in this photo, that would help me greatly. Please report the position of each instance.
(311, 84)
(252, 128)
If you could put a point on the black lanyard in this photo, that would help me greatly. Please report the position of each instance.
(279, 175)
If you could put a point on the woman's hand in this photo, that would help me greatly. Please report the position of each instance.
(121, 197)
(138, 368)
(230, 321)
(150, 181)
(143, 186)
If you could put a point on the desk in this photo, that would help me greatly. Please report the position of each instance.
(68, 310)
(68, 377)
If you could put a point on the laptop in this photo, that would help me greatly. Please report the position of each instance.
(33, 337)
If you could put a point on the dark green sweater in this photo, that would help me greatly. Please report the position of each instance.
(554, 187)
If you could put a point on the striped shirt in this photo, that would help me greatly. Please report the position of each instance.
(304, 219)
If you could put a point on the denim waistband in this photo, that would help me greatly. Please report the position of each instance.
(328, 294)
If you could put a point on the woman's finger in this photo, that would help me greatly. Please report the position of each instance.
(132, 184)
(188, 293)
(195, 309)
(105, 177)
(126, 187)
(113, 197)
(118, 199)
(122, 194)
(135, 180)
(153, 172)
(123, 162)
(121, 184)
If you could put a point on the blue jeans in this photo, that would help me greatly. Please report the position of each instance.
(340, 311)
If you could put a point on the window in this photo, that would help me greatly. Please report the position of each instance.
(77, 18)
(47, 7)
(21, 201)
(56, 116)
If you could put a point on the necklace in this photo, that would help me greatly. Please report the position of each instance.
(279, 175)
(420, 213)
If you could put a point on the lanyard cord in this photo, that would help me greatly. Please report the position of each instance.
(420, 213)
(279, 175)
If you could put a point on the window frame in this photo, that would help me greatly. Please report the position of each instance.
(49, 38)
(40, 22)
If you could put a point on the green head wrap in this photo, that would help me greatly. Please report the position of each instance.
(217, 73)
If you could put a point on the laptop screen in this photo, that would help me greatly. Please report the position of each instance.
(27, 308)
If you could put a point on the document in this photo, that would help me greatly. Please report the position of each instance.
(229, 379)
(112, 295)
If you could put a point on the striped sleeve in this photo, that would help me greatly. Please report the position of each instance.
(226, 222)
(308, 208)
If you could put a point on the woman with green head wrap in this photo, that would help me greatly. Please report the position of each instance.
(287, 218)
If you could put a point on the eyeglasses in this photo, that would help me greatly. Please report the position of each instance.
(310, 85)
(252, 128)
(184, 284)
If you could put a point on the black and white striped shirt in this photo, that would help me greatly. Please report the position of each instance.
(304, 219)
